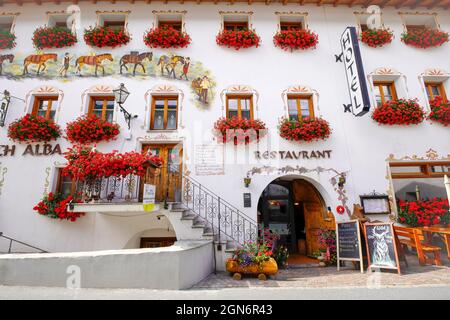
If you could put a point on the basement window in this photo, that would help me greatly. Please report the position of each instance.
(294, 22)
(170, 20)
(115, 21)
(236, 22)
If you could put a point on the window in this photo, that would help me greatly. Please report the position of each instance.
(58, 20)
(415, 21)
(435, 89)
(240, 106)
(6, 23)
(294, 22)
(405, 170)
(113, 21)
(45, 106)
(164, 113)
(300, 107)
(235, 22)
(169, 20)
(384, 91)
(65, 185)
(102, 107)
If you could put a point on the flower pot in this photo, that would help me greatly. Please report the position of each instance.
(266, 268)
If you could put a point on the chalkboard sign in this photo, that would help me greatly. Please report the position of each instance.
(381, 246)
(348, 240)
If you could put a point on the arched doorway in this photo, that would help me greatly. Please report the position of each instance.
(294, 208)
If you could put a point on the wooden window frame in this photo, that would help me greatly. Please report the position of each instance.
(441, 88)
(105, 99)
(380, 85)
(59, 180)
(425, 169)
(13, 22)
(176, 24)
(298, 99)
(236, 24)
(240, 97)
(288, 24)
(166, 109)
(50, 99)
(102, 20)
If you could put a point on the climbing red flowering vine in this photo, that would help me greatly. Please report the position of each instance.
(238, 39)
(33, 129)
(53, 37)
(7, 39)
(295, 39)
(399, 112)
(55, 206)
(307, 130)
(90, 129)
(424, 212)
(440, 111)
(239, 130)
(166, 37)
(425, 38)
(105, 37)
(376, 37)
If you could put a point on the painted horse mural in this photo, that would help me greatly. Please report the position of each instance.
(96, 61)
(136, 59)
(5, 57)
(169, 64)
(40, 60)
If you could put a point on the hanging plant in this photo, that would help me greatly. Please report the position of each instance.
(90, 129)
(33, 129)
(295, 39)
(55, 206)
(440, 111)
(376, 37)
(399, 112)
(239, 130)
(238, 39)
(166, 37)
(307, 130)
(7, 40)
(425, 38)
(53, 37)
(105, 37)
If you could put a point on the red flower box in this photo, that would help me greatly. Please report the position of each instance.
(425, 38)
(376, 37)
(307, 130)
(33, 129)
(399, 112)
(53, 37)
(424, 212)
(90, 129)
(239, 130)
(238, 39)
(295, 39)
(55, 207)
(166, 37)
(440, 111)
(7, 40)
(105, 37)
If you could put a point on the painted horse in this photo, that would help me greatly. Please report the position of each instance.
(170, 63)
(40, 60)
(4, 57)
(137, 59)
(93, 61)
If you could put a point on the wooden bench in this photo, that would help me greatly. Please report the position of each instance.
(412, 237)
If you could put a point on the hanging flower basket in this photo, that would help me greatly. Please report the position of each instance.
(55, 206)
(424, 212)
(295, 39)
(399, 112)
(238, 39)
(375, 38)
(105, 37)
(166, 37)
(308, 130)
(440, 111)
(425, 38)
(90, 129)
(53, 37)
(239, 130)
(33, 129)
(7, 40)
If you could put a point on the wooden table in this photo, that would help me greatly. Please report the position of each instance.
(445, 231)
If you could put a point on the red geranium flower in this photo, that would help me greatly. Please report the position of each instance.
(295, 39)
(440, 111)
(53, 37)
(399, 112)
(425, 38)
(239, 130)
(166, 37)
(238, 39)
(90, 128)
(7, 39)
(33, 129)
(376, 37)
(55, 206)
(307, 130)
(105, 37)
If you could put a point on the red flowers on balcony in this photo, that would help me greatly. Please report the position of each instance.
(376, 37)
(105, 37)
(295, 39)
(239, 130)
(7, 40)
(90, 129)
(307, 130)
(440, 111)
(399, 112)
(55, 206)
(238, 39)
(33, 129)
(425, 38)
(166, 37)
(53, 37)
(424, 212)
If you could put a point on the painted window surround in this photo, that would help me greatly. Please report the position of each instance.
(224, 14)
(437, 76)
(12, 16)
(238, 90)
(388, 75)
(302, 16)
(419, 18)
(101, 14)
(97, 91)
(43, 91)
(299, 90)
(363, 17)
(164, 14)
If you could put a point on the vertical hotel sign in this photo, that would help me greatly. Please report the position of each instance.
(356, 81)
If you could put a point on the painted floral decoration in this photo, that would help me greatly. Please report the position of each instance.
(166, 37)
(105, 37)
(33, 129)
(53, 37)
(424, 212)
(238, 39)
(375, 38)
(239, 130)
(399, 112)
(307, 130)
(295, 39)
(425, 38)
(7, 40)
(90, 129)
(55, 206)
(440, 111)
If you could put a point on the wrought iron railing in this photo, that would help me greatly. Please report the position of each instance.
(11, 241)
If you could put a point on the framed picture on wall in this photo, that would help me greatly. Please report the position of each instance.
(375, 204)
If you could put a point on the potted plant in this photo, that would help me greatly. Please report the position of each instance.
(423, 213)
(399, 112)
(239, 130)
(295, 39)
(327, 240)
(105, 37)
(7, 39)
(281, 256)
(440, 111)
(90, 129)
(53, 37)
(425, 38)
(307, 130)
(33, 129)
(238, 39)
(166, 37)
(55, 206)
(375, 38)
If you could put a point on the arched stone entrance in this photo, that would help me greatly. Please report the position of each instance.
(295, 209)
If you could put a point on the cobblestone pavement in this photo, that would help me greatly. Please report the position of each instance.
(329, 277)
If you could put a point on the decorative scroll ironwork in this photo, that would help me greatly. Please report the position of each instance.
(112, 189)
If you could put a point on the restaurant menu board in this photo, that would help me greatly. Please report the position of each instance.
(348, 240)
(381, 246)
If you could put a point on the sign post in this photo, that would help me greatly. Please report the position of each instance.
(348, 241)
(148, 199)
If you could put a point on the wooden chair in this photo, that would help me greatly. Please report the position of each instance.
(413, 237)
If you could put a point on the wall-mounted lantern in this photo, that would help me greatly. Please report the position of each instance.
(4, 107)
(121, 94)
(341, 181)
(247, 181)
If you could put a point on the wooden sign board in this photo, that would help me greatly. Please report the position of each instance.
(348, 242)
(381, 246)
